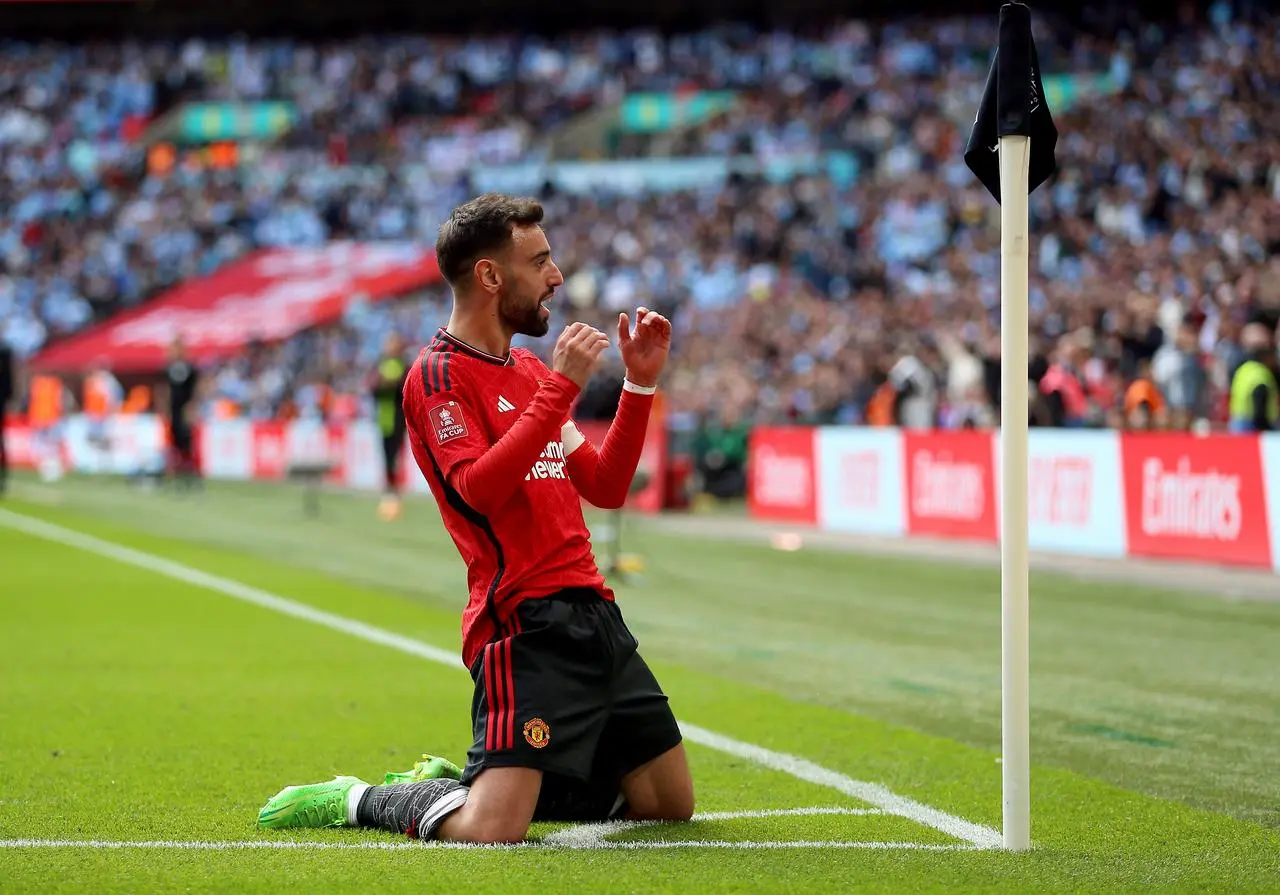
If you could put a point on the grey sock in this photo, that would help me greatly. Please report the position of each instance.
(413, 809)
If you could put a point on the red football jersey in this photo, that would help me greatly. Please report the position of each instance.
(459, 401)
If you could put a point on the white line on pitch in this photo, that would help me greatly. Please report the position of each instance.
(782, 844)
(597, 835)
(800, 768)
(294, 845)
(785, 812)
(205, 846)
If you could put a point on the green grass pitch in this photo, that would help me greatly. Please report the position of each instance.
(171, 661)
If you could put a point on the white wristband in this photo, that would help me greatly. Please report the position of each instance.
(571, 437)
(629, 386)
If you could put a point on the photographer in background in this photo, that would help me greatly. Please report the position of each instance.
(182, 381)
(8, 375)
(721, 453)
(388, 398)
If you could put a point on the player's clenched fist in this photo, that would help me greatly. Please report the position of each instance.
(578, 352)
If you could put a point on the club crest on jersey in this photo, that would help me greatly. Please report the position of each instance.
(447, 421)
(536, 733)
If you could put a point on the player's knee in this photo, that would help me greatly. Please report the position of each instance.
(486, 830)
(497, 834)
(674, 805)
(679, 800)
(678, 811)
(671, 811)
(681, 806)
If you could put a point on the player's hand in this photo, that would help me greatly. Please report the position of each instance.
(578, 351)
(645, 352)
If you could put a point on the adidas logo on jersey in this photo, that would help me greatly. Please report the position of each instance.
(504, 405)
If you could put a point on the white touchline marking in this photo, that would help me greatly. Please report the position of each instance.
(291, 844)
(778, 844)
(596, 835)
(203, 846)
(872, 793)
(582, 837)
(785, 812)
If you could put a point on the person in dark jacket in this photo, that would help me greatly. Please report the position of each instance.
(8, 386)
(388, 390)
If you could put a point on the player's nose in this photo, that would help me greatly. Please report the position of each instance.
(554, 277)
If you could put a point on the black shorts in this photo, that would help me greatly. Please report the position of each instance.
(563, 690)
(180, 436)
(392, 445)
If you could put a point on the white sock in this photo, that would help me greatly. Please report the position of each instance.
(353, 802)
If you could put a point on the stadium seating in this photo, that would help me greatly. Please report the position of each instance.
(796, 295)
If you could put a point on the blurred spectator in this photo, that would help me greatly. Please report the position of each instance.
(1180, 377)
(1063, 384)
(916, 387)
(1144, 405)
(1255, 398)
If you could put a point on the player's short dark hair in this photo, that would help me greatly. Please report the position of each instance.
(479, 227)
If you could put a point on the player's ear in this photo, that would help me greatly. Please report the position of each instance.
(488, 274)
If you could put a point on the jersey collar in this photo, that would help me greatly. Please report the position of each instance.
(462, 346)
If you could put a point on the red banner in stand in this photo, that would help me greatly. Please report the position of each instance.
(266, 297)
(1202, 498)
(950, 484)
(782, 480)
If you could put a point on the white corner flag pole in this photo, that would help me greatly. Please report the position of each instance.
(1015, 161)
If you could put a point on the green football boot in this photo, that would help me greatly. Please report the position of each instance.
(312, 805)
(430, 768)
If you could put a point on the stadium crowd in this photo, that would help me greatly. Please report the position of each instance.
(866, 294)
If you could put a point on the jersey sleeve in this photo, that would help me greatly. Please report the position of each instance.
(603, 476)
(444, 421)
(441, 414)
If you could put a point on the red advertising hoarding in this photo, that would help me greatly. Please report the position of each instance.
(1196, 498)
(782, 475)
(270, 450)
(950, 484)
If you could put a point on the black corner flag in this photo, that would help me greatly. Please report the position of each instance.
(1013, 104)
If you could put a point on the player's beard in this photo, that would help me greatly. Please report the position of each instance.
(523, 316)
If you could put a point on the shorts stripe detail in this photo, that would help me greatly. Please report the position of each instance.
(511, 696)
(490, 679)
(500, 684)
(500, 696)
